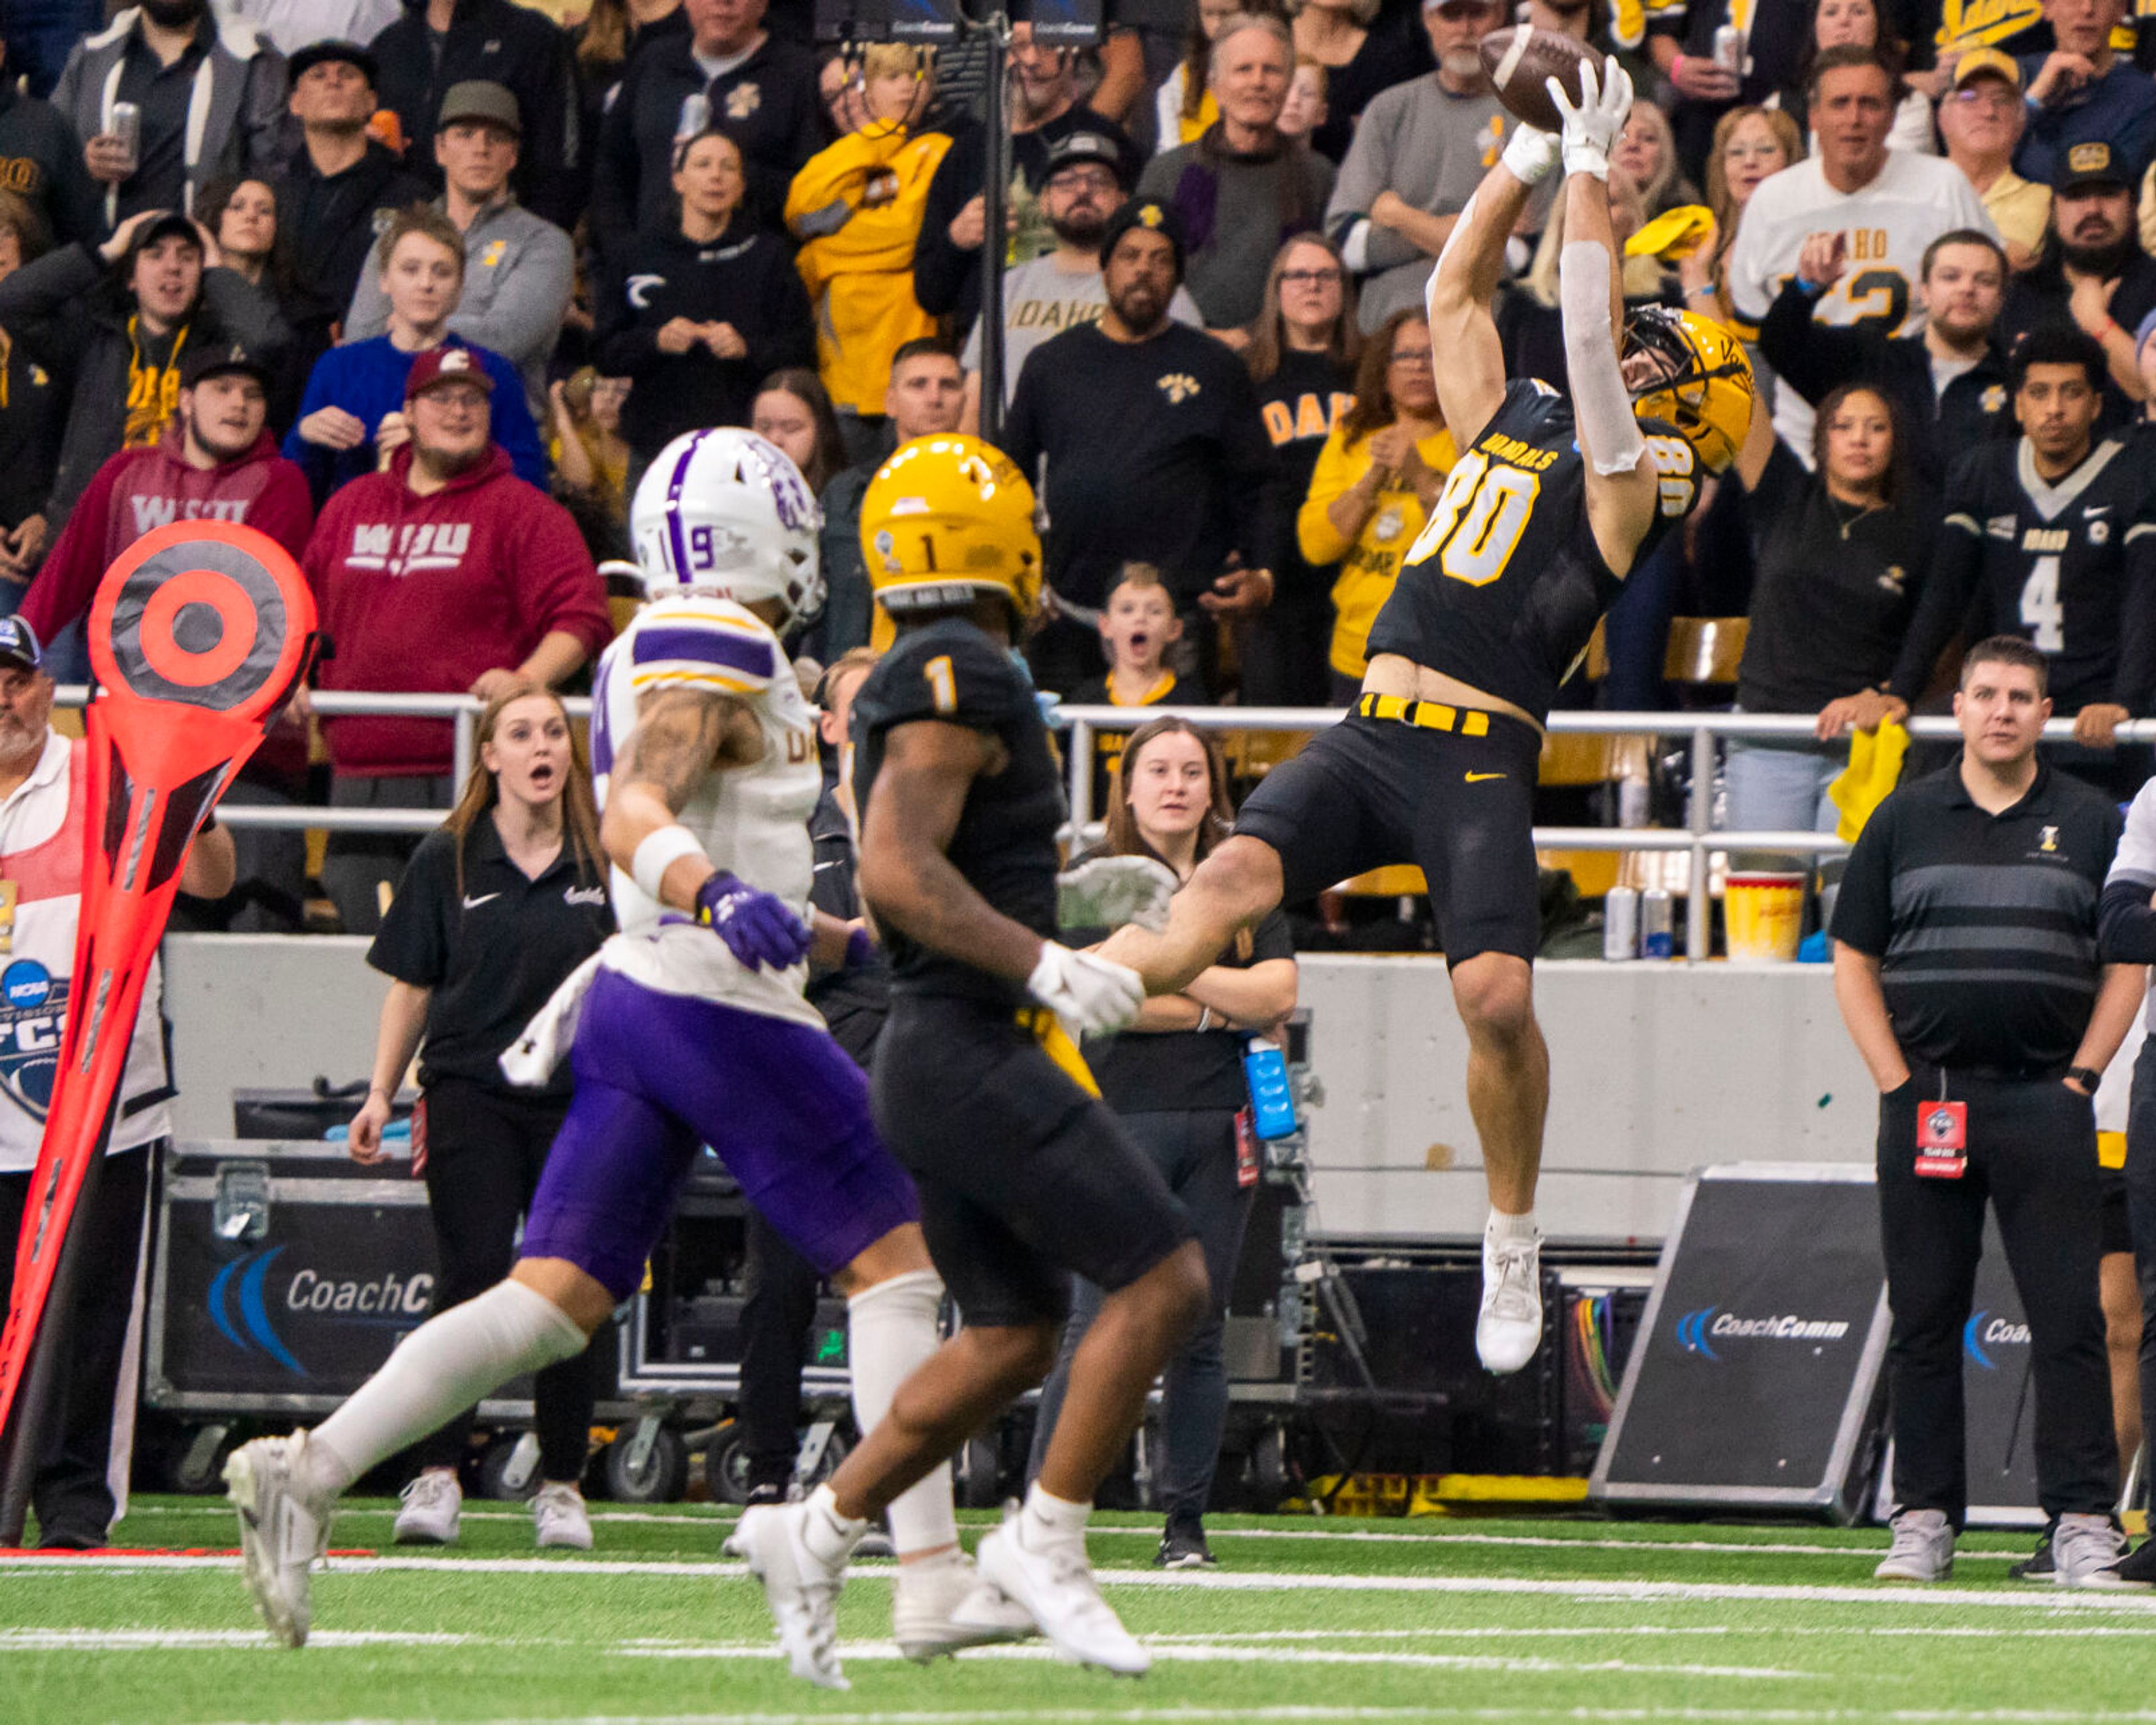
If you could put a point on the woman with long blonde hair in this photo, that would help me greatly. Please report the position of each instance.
(493, 912)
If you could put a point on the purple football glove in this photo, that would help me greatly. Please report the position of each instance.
(758, 928)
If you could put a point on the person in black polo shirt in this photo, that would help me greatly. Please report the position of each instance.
(1968, 969)
(494, 911)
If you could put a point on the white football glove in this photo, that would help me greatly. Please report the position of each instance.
(1089, 993)
(1530, 154)
(1109, 891)
(1591, 128)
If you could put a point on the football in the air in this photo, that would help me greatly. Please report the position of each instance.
(1520, 59)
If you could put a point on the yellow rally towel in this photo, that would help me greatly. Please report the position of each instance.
(1055, 1042)
(1674, 235)
(1875, 767)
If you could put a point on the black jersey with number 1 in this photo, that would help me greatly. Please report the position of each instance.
(1506, 583)
(2067, 564)
(1005, 844)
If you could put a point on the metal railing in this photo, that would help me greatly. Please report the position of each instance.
(1699, 836)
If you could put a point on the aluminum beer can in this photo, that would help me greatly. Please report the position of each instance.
(695, 116)
(1657, 924)
(1620, 924)
(127, 127)
(1729, 49)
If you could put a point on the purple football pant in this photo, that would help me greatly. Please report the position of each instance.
(660, 1075)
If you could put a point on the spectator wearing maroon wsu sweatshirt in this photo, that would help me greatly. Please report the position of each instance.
(214, 462)
(443, 573)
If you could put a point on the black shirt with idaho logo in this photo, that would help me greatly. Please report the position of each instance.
(1154, 450)
(1833, 590)
(1985, 924)
(492, 950)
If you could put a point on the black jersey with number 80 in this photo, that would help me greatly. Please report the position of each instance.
(1505, 585)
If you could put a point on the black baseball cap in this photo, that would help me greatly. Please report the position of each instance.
(2091, 164)
(171, 225)
(18, 645)
(218, 359)
(351, 53)
(1088, 144)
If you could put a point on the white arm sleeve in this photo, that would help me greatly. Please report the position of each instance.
(1601, 405)
(1355, 248)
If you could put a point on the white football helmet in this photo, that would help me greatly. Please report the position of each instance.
(725, 512)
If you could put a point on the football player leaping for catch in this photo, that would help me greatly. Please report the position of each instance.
(1552, 504)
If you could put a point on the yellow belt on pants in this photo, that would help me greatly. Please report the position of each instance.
(1427, 714)
(1047, 1029)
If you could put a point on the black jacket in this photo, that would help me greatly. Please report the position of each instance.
(768, 105)
(31, 404)
(1815, 359)
(946, 281)
(68, 297)
(41, 164)
(504, 43)
(744, 278)
(2040, 296)
(331, 223)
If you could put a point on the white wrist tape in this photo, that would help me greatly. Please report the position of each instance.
(1601, 404)
(659, 853)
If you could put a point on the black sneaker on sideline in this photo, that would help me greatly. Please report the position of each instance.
(2035, 1567)
(764, 1494)
(2138, 1569)
(1184, 1547)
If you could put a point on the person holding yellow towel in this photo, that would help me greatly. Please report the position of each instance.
(1375, 479)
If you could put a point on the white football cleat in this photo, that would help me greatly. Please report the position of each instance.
(558, 1517)
(434, 1506)
(1056, 1589)
(282, 1530)
(802, 1591)
(942, 1606)
(1510, 1326)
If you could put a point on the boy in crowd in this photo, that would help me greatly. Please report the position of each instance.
(1138, 626)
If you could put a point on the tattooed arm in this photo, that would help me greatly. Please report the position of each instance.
(681, 735)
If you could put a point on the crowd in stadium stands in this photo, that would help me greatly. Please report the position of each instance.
(633, 217)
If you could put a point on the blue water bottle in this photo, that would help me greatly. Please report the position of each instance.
(1272, 1101)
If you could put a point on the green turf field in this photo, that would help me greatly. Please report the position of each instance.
(1304, 1621)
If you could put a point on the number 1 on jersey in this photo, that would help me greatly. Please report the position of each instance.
(942, 683)
(2041, 613)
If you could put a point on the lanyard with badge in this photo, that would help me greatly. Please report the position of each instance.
(1942, 1138)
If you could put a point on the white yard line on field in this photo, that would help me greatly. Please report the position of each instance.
(1225, 1581)
(1571, 1715)
(1185, 1654)
(2040, 1599)
(133, 1640)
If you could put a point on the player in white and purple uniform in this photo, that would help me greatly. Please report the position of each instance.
(689, 1028)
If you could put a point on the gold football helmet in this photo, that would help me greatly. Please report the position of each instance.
(1707, 393)
(948, 518)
